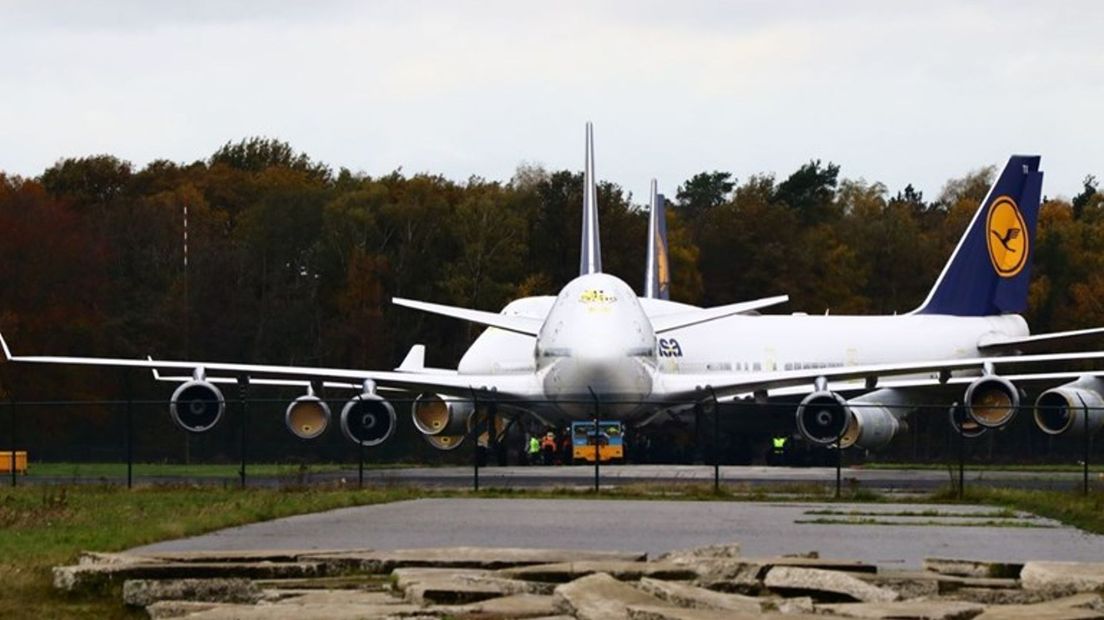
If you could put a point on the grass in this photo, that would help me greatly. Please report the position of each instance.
(1094, 469)
(1069, 507)
(1005, 513)
(1010, 523)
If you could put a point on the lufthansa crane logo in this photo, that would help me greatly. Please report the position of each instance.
(1007, 237)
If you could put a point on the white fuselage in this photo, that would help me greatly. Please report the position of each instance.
(597, 341)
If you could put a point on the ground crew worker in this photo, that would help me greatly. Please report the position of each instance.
(533, 449)
(548, 447)
(778, 450)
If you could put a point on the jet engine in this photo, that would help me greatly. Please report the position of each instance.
(821, 417)
(308, 416)
(435, 414)
(367, 419)
(874, 421)
(1067, 408)
(992, 401)
(197, 406)
(963, 424)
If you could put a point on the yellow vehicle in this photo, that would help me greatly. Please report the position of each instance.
(20, 462)
(611, 441)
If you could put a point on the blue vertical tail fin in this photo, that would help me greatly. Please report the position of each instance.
(657, 274)
(988, 272)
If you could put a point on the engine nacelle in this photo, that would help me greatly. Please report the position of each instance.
(307, 417)
(963, 424)
(367, 419)
(197, 406)
(437, 415)
(875, 419)
(992, 401)
(822, 417)
(1067, 409)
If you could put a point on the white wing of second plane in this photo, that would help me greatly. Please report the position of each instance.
(675, 387)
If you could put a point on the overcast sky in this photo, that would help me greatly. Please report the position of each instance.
(898, 92)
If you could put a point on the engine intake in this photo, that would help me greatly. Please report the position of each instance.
(436, 415)
(822, 417)
(1067, 409)
(992, 401)
(963, 424)
(367, 419)
(196, 406)
(307, 417)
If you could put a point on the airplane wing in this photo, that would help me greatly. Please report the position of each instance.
(520, 386)
(688, 386)
(1052, 342)
(525, 325)
(669, 322)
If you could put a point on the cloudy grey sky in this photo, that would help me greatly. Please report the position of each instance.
(897, 92)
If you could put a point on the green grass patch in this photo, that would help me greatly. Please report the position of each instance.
(930, 513)
(1017, 467)
(1085, 512)
(1009, 523)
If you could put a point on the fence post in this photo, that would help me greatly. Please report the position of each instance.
(961, 461)
(839, 459)
(597, 451)
(1088, 444)
(129, 429)
(716, 441)
(243, 395)
(11, 408)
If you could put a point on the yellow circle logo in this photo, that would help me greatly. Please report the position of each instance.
(1007, 237)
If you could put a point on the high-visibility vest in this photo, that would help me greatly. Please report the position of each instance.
(534, 445)
(779, 442)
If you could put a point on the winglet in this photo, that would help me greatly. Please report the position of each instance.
(590, 256)
(7, 351)
(414, 360)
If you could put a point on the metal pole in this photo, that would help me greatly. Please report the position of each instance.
(360, 465)
(11, 408)
(716, 442)
(597, 452)
(961, 461)
(129, 429)
(243, 394)
(839, 459)
(475, 447)
(1088, 442)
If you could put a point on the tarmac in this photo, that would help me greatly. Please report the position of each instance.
(898, 535)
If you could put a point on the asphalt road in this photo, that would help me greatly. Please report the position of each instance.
(581, 475)
(658, 526)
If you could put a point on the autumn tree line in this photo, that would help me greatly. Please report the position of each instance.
(290, 261)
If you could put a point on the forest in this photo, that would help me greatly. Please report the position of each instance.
(290, 261)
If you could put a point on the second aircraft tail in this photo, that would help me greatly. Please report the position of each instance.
(988, 272)
(657, 274)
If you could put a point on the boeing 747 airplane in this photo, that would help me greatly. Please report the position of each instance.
(852, 378)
